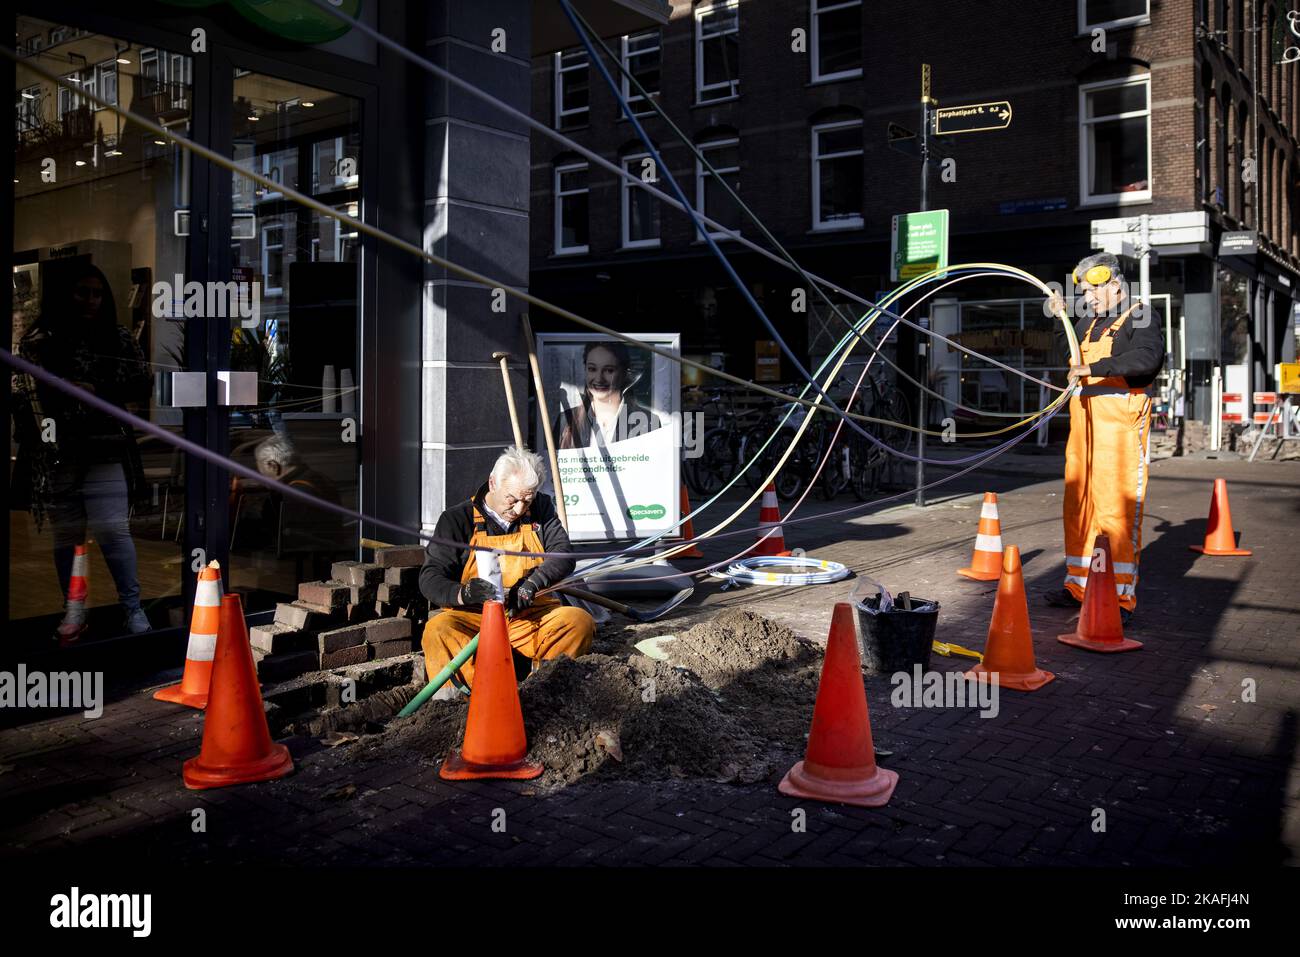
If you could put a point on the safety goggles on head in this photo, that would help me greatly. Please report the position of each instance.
(1097, 275)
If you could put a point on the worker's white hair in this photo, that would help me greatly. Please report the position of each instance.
(276, 447)
(516, 461)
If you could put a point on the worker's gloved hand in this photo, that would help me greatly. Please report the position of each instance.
(522, 595)
(476, 591)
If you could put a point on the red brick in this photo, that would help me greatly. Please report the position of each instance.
(329, 594)
(390, 649)
(387, 629)
(399, 555)
(353, 655)
(331, 641)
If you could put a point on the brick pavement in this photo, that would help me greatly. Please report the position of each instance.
(1160, 740)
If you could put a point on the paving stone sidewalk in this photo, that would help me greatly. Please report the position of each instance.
(1161, 741)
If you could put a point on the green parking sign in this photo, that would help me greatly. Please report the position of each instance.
(919, 244)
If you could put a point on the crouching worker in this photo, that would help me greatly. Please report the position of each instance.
(509, 513)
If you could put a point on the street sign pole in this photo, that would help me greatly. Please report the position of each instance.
(923, 351)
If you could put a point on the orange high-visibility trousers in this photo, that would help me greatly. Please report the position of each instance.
(539, 632)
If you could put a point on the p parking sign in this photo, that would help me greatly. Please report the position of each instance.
(919, 244)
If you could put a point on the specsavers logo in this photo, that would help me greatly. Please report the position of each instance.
(640, 513)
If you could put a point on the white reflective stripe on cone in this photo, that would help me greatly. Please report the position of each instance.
(201, 647)
(989, 510)
(988, 543)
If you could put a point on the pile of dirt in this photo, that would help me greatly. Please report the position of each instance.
(732, 704)
(738, 646)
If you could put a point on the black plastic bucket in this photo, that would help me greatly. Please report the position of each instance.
(896, 640)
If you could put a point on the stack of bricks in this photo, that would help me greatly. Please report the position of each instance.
(365, 612)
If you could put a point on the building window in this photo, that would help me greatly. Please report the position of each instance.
(571, 208)
(107, 76)
(273, 259)
(836, 39)
(1115, 141)
(69, 98)
(1113, 13)
(717, 51)
(711, 198)
(27, 109)
(837, 175)
(642, 54)
(572, 89)
(640, 207)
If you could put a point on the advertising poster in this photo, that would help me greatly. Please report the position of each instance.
(616, 420)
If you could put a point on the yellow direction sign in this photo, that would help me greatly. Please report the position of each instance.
(973, 118)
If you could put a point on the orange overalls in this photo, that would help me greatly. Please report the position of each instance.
(1106, 461)
(545, 629)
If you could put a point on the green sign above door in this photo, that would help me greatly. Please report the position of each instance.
(919, 244)
(298, 20)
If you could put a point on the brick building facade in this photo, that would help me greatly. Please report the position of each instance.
(1119, 108)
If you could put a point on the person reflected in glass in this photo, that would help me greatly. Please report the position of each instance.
(77, 467)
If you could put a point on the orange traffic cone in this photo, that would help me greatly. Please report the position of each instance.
(840, 762)
(237, 746)
(688, 530)
(74, 609)
(771, 539)
(495, 744)
(1220, 539)
(1100, 627)
(1009, 652)
(197, 677)
(986, 565)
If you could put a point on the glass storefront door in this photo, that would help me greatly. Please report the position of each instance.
(113, 225)
(100, 217)
(299, 424)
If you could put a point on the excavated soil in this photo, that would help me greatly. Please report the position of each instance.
(731, 704)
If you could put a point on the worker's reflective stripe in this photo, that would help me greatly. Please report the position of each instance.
(989, 510)
(1078, 560)
(1093, 391)
(201, 647)
(1125, 568)
(988, 543)
(1076, 579)
(1123, 589)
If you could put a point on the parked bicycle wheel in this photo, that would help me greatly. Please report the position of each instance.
(717, 463)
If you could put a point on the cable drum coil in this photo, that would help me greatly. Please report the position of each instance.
(820, 571)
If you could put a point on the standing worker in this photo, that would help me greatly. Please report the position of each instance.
(508, 513)
(1106, 457)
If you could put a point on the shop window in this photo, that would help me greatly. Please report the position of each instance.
(1110, 14)
(1115, 141)
(572, 89)
(717, 51)
(571, 194)
(640, 206)
(711, 198)
(836, 39)
(642, 57)
(837, 175)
